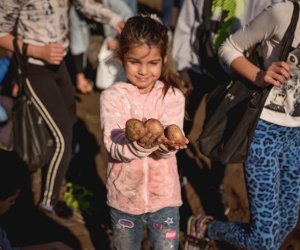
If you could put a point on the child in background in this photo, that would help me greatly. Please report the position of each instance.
(142, 177)
(14, 180)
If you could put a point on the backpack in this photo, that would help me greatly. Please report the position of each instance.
(203, 45)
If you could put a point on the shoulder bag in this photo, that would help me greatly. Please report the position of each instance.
(32, 139)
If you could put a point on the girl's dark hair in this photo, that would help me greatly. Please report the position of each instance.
(148, 29)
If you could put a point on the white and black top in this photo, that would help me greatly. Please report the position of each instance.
(47, 21)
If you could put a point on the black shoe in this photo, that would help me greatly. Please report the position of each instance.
(62, 210)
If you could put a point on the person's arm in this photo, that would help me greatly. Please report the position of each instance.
(276, 74)
(184, 36)
(113, 116)
(99, 13)
(268, 29)
(51, 53)
(174, 115)
(119, 7)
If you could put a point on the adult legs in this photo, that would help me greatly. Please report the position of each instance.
(53, 87)
(289, 186)
(267, 228)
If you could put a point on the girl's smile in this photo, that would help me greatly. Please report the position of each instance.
(143, 66)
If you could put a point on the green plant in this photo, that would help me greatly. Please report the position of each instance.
(77, 196)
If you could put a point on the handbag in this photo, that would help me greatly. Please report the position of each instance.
(232, 111)
(109, 69)
(32, 138)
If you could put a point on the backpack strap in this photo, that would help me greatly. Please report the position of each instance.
(288, 37)
(209, 25)
(206, 12)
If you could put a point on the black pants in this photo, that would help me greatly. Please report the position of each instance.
(52, 85)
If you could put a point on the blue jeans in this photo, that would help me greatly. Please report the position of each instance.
(162, 227)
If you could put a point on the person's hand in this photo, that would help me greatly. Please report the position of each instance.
(149, 140)
(276, 74)
(187, 83)
(52, 53)
(112, 44)
(119, 26)
(167, 145)
(83, 85)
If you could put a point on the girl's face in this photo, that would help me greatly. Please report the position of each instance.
(143, 65)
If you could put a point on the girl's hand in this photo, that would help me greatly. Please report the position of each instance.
(168, 145)
(276, 74)
(149, 140)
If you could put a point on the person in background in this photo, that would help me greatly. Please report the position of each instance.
(143, 183)
(133, 4)
(17, 211)
(199, 66)
(6, 245)
(272, 172)
(225, 17)
(44, 26)
(167, 11)
(79, 40)
(80, 34)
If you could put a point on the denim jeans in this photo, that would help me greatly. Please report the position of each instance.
(162, 228)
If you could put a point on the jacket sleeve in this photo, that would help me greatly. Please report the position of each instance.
(185, 34)
(97, 12)
(114, 113)
(121, 8)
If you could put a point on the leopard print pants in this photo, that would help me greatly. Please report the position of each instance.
(272, 175)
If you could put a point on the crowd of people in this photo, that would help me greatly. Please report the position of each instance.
(169, 70)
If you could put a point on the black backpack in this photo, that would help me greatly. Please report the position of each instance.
(203, 45)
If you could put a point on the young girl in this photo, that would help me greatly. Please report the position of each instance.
(272, 168)
(143, 184)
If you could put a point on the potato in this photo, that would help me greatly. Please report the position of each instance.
(174, 133)
(154, 127)
(134, 129)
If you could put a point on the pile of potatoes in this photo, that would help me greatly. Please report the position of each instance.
(136, 129)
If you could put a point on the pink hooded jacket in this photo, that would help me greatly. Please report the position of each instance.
(140, 180)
